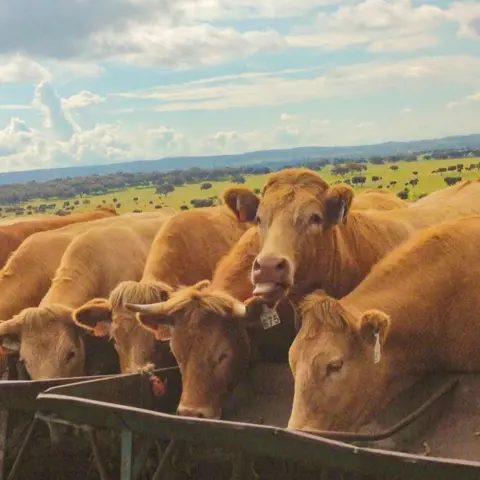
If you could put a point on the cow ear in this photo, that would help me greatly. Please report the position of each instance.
(243, 202)
(95, 316)
(374, 327)
(10, 335)
(337, 204)
(151, 318)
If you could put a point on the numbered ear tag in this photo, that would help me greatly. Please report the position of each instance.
(269, 318)
(377, 349)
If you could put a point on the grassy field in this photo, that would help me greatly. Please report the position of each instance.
(148, 199)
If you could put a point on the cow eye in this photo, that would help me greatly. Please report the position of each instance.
(222, 357)
(257, 220)
(315, 219)
(334, 367)
(69, 356)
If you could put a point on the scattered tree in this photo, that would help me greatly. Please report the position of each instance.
(452, 180)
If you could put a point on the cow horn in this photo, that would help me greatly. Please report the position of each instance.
(153, 308)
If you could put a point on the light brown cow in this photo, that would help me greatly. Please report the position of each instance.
(377, 200)
(310, 236)
(12, 236)
(185, 251)
(209, 314)
(50, 344)
(416, 312)
(28, 273)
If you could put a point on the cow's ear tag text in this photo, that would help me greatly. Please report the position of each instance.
(269, 318)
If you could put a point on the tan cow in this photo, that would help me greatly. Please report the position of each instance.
(11, 236)
(377, 200)
(28, 273)
(49, 342)
(416, 312)
(311, 236)
(185, 251)
(209, 313)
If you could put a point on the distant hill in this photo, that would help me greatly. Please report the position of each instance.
(272, 158)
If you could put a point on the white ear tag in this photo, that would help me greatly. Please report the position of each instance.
(269, 318)
(377, 349)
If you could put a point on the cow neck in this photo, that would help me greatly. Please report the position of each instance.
(70, 292)
(17, 289)
(356, 246)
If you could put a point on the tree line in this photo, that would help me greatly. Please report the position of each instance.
(166, 182)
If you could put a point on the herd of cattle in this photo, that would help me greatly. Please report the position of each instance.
(361, 294)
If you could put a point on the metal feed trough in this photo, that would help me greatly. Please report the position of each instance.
(429, 432)
(20, 419)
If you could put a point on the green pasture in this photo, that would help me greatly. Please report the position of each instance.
(148, 199)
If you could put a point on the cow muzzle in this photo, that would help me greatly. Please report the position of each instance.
(198, 412)
(271, 275)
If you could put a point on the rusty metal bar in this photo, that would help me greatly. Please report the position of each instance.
(372, 437)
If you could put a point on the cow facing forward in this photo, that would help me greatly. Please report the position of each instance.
(311, 235)
(416, 312)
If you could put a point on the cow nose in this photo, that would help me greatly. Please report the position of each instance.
(271, 269)
(190, 412)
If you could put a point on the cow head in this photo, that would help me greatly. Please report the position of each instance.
(208, 336)
(337, 363)
(296, 216)
(48, 342)
(135, 346)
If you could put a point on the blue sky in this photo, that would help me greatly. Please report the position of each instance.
(88, 82)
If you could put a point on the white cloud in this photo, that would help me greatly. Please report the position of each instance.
(403, 44)
(287, 136)
(47, 100)
(467, 14)
(286, 117)
(406, 111)
(241, 9)
(383, 15)
(62, 142)
(274, 89)
(475, 97)
(20, 146)
(365, 124)
(21, 69)
(230, 142)
(166, 139)
(183, 46)
(15, 107)
(386, 25)
(141, 32)
(383, 25)
(82, 99)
